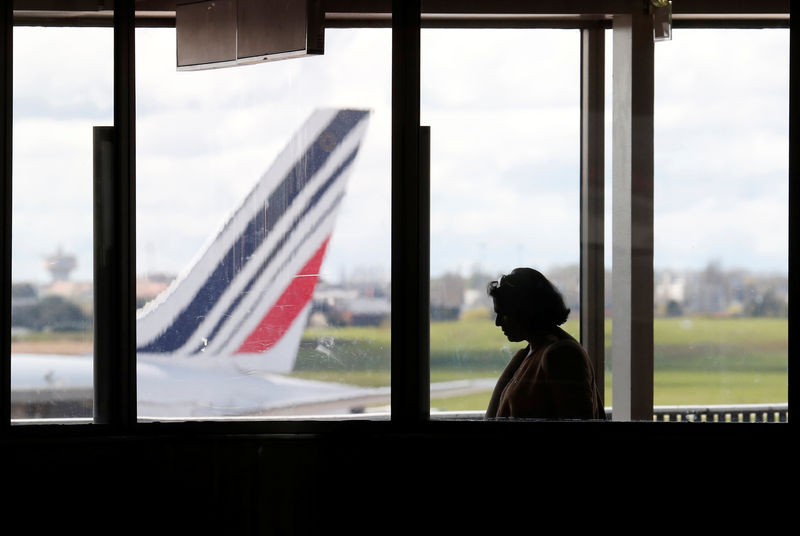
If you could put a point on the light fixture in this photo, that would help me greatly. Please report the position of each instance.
(661, 11)
(221, 33)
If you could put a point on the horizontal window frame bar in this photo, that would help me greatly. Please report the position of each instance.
(566, 431)
(473, 415)
(353, 22)
(475, 7)
(439, 13)
(561, 23)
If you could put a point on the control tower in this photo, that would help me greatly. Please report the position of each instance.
(60, 264)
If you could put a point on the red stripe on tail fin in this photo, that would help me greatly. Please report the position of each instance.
(278, 319)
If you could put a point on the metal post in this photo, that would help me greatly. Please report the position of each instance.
(794, 220)
(105, 366)
(410, 385)
(423, 363)
(592, 287)
(632, 225)
(115, 253)
(6, 104)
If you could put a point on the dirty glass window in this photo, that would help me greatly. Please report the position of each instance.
(62, 88)
(263, 232)
(721, 220)
(505, 182)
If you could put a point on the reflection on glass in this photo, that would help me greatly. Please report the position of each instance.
(62, 88)
(263, 232)
(505, 183)
(721, 217)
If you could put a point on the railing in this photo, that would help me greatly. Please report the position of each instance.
(723, 413)
(709, 413)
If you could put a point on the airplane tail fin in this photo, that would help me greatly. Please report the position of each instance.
(247, 296)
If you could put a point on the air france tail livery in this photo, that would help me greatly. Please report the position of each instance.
(214, 342)
(248, 295)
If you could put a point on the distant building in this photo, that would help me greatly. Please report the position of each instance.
(368, 311)
(80, 292)
(446, 297)
(151, 285)
(357, 305)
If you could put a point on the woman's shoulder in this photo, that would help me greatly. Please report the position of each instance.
(556, 337)
(566, 348)
(564, 355)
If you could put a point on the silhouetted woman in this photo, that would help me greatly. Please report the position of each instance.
(552, 377)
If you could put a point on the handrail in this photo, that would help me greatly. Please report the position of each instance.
(723, 413)
(693, 413)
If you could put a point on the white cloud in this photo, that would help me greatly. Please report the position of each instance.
(503, 107)
(752, 233)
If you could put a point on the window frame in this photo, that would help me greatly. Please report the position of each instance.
(410, 378)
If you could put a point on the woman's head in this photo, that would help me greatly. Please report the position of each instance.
(528, 301)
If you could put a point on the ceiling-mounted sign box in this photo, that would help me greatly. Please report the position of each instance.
(222, 33)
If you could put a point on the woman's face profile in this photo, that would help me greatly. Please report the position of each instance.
(510, 323)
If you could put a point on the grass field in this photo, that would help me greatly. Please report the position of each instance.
(697, 360)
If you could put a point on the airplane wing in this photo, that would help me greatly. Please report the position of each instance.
(181, 388)
(62, 385)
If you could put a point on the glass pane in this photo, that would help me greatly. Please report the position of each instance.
(62, 88)
(721, 218)
(505, 185)
(263, 232)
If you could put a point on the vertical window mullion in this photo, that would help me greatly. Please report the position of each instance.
(6, 90)
(115, 265)
(793, 216)
(632, 226)
(410, 386)
(592, 262)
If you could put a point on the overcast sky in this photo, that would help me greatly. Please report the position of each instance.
(503, 108)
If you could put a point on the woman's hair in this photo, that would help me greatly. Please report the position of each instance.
(527, 293)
